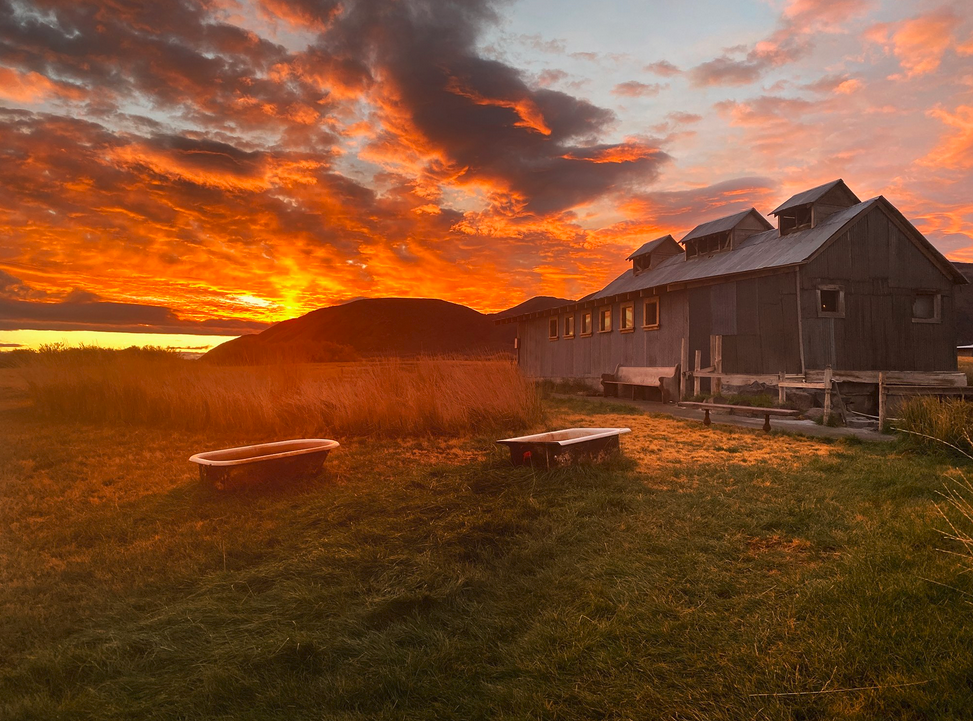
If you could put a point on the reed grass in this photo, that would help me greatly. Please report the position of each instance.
(387, 397)
(940, 424)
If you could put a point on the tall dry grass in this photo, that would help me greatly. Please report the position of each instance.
(938, 423)
(387, 397)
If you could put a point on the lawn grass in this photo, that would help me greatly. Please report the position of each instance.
(429, 579)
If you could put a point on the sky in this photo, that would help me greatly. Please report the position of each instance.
(207, 167)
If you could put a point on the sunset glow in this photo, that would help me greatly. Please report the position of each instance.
(208, 168)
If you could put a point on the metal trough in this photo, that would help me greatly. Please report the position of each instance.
(562, 448)
(264, 462)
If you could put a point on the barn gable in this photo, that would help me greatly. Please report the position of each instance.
(651, 254)
(811, 207)
(927, 249)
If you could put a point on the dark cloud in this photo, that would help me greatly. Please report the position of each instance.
(15, 289)
(204, 162)
(480, 113)
(124, 317)
(175, 54)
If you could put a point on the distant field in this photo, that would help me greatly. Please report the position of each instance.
(389, 397)
(709, 574)
(966, 365)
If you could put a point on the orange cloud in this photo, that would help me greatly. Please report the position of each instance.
(530, 115)
(955, 151)
(918, 43)
(32, 87)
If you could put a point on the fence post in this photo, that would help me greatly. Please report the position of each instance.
(781, 391)
(827, 394)
(882, 410)
(696, 378)
(684, 369)
(716, 356)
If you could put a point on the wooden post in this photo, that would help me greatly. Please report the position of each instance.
(716, 358)
(882, 410)
(827, 394)
(684, 369)
(696, 378)
(781, 391)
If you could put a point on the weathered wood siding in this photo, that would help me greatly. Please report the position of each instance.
(590, 356)
(757, 318)
(880, 269)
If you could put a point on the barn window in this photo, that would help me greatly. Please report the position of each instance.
(794, 219)
(569, 326)
(552, 329)
(927, 307)
(831, 301)
(627, 319)
(707, 244)
(586, 323)
(605, 320)
(650, 318)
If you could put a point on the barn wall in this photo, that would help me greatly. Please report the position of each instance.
(757, 318)
(880, 269)
(590, 356)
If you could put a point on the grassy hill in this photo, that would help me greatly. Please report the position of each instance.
(379, 327)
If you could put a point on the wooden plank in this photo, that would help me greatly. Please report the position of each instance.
(827, 393)
(684, 365)
(929, 378)
(882, 405)
(737, 379)
(723, 309)
(696, 378)
(756, 410)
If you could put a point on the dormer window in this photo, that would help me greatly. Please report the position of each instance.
(708, 244)
(794, 219)
(810, 208)
(651, 254)
(724, 234)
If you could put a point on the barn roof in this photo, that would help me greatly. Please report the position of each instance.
(758, 252)
(766, 250)
(650, 246)
(809, 196)
(722, 224)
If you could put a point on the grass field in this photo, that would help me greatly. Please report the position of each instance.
(389, 397)
(709, 574)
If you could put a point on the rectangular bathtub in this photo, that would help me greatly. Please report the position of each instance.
(564, 447)
(282, 460)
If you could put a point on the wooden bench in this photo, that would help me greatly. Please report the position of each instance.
(641, 377)
(750, 410)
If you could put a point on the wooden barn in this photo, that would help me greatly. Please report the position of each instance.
(841, 285)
